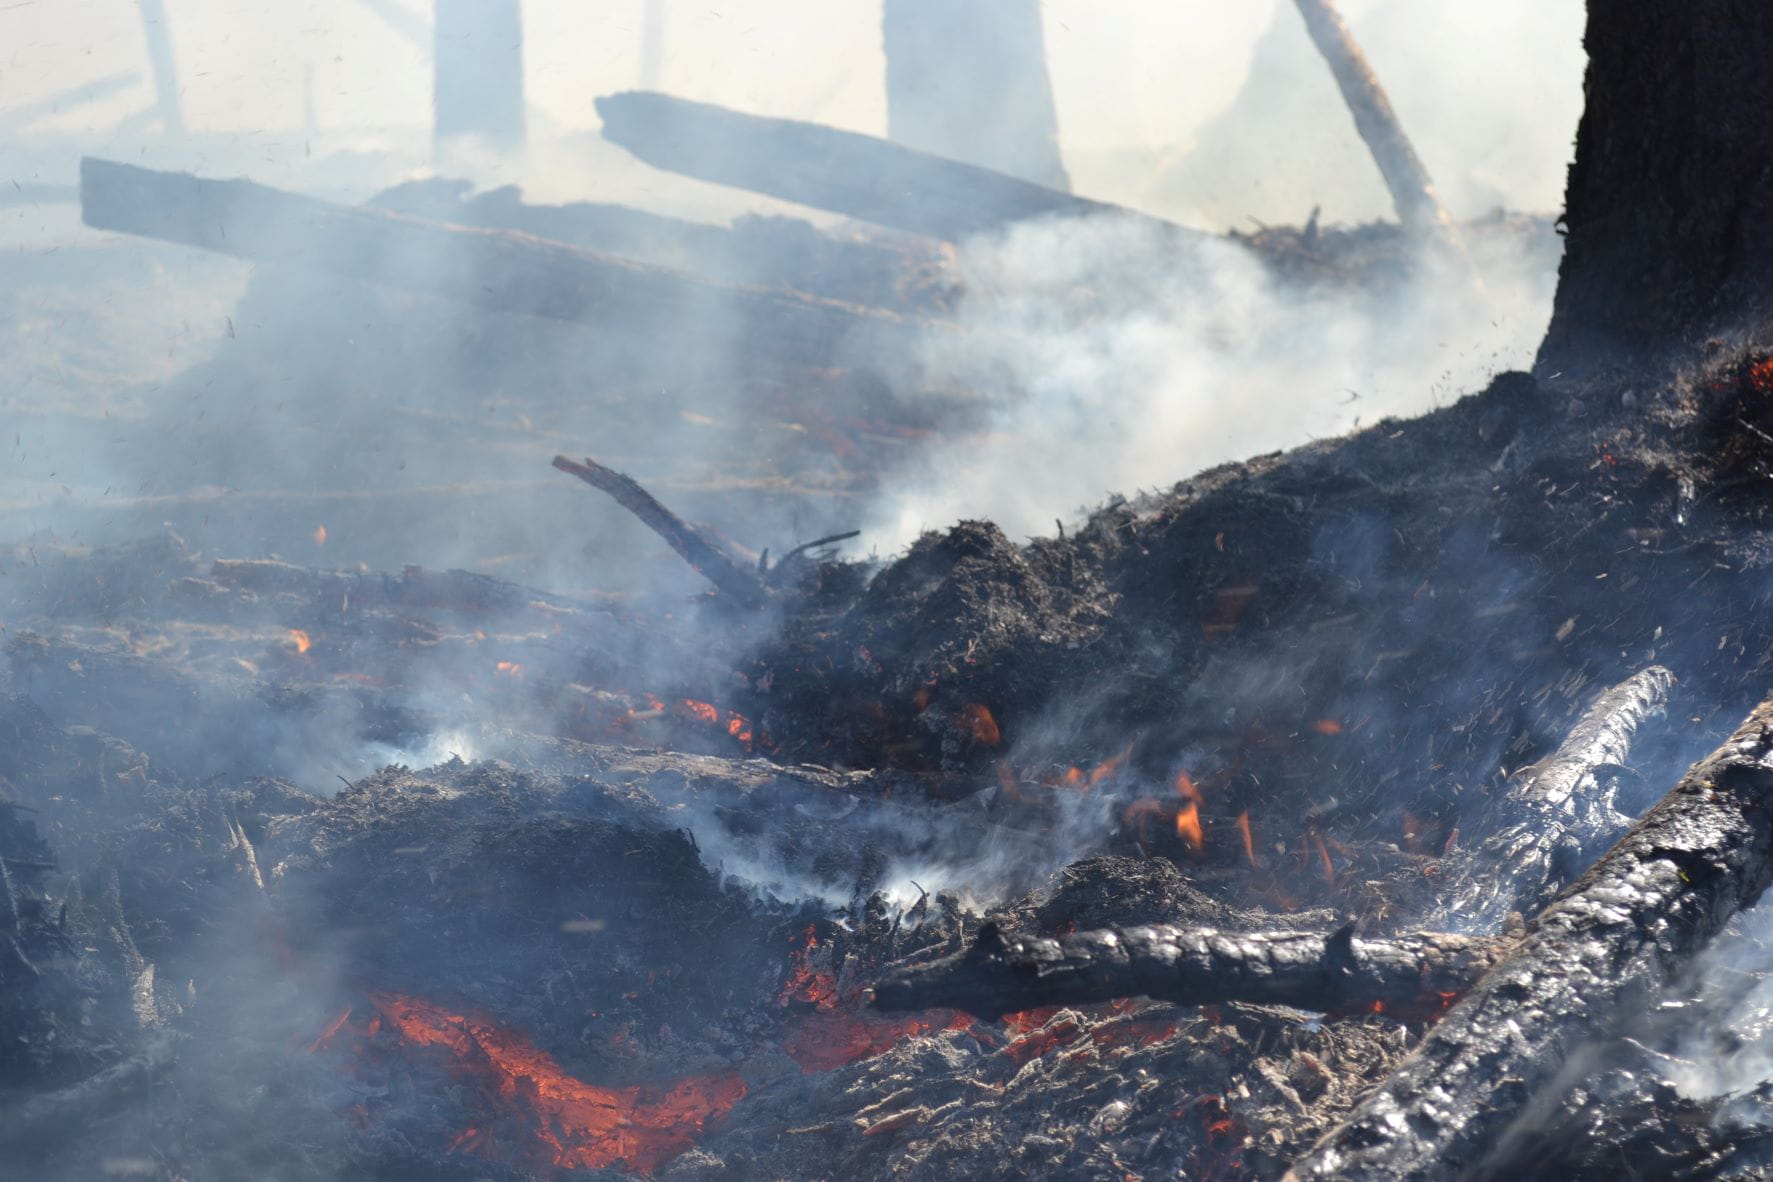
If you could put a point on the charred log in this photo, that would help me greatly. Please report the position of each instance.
(859, 176)
(743, 586)
(1418, 972)
(1555, 816)
(1600, 952)
(491, 269)
(763, 251)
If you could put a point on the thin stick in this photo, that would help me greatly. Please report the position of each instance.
(741, 584)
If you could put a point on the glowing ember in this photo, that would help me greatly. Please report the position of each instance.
(711, 715)
(1760, 376)
(301, 640)
(563, 1121)
(1327, 726)
(319, 535)
(510, 669)
(836, 1033)
(977, 721)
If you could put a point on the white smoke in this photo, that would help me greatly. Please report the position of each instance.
(1121, 359)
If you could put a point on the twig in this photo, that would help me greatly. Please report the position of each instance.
(742, 585)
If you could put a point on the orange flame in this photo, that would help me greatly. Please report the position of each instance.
(1243, 828)
(1324, 853)
(510, 669)
(1188, 827)
(571, 1124)
(1110, 766)
(319, 535)
(301, 640)
(1327, 726)
(977, 721)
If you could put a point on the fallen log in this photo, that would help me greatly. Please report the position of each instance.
(777, 252)
(1554, 817)
(1418, 205)
(1598, 955)
(859, 176)
(1416, 973)
(743, 586)
(492, 269)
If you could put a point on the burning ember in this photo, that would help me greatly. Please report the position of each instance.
(525, 1109)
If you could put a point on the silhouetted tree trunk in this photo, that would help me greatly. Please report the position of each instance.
(969, 81)
(1670, 199)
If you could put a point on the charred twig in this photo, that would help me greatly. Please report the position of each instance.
(827, 540)
(1417, 972)
(1587, 963)
(1558, 815)
(741, 584)
(1412, 192)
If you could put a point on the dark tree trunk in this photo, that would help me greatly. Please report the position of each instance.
(1670, 199)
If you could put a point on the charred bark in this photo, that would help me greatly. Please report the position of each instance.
(500, 271)
(1556, 816)
(859, 176)
(1417, 972)
(1670, 200)
(1588, 962)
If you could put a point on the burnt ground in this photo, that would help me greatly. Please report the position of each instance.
(1348, 644)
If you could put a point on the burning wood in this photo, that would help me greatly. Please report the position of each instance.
(492, 269)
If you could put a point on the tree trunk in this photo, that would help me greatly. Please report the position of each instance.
(969, 82)
(1670, 200)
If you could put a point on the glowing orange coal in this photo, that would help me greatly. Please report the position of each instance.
(976, 720)
(302, 641)
(838, 1032)
(730, 721)
(319, 535)
(1327, 726)
(532, 1112)
(510, 669)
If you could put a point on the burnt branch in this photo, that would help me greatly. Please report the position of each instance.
(1416, 972)
(1597, 956)
(740, 584)
(1559, 814)
(1412, 192)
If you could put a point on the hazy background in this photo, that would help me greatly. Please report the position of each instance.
(1214, 115)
